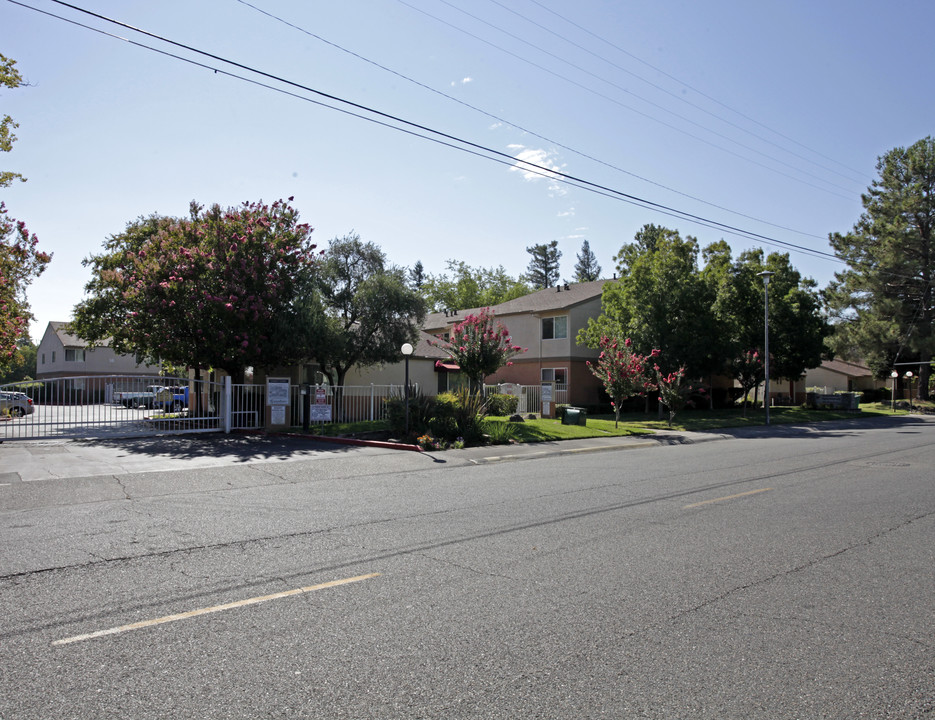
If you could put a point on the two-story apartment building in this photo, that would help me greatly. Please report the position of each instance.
(546, 324)
(62, 354)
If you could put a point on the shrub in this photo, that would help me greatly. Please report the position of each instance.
(421, 410)
(872, 395)
(500, 433)
(500, 404)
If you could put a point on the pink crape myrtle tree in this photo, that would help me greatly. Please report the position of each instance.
(623, 372)
(480, 345)
(674, 391)
(215, 290)
(748, 371)
(20, 262)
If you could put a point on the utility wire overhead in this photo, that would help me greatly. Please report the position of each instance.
(670, 93)
(413, 128)
(517, 126)
(632, 109)
(619, 49)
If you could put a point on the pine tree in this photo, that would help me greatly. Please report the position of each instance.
(587, 268)
(543, 269)
(884, 302)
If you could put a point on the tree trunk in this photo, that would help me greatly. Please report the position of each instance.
(925, 373)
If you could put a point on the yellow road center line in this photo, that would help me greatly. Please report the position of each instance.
(726, 497)
(213, 609)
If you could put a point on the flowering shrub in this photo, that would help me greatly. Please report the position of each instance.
(427, 442)
(623, 372)
(480, 347)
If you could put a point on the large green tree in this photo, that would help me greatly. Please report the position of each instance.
(884, 303)
(464, 286)
(217, 289)
(660, 302)
(797, 326)
(543, 269)
(368, 310)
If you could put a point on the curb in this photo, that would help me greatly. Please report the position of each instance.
(354, 441)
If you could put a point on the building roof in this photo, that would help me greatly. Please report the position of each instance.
(425, 349)
(849, 369)
(60, 328)
(542, 301)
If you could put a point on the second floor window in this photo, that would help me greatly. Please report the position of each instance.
(555, 328)
(72, 355)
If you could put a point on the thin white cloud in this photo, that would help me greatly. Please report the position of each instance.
(570, 212)
(536, 164)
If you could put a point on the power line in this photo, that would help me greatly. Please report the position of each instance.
(412, 128)
(517, 126)
(694, 89)
(615, 101)
(661, 89)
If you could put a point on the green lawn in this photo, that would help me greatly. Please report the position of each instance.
(688, 420)
(637, 423)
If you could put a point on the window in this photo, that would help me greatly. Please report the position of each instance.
(555, 328)
(53, 356)
(43, 358)
(557, 375)
(72, 355)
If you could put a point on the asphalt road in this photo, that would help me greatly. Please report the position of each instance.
(785, 573)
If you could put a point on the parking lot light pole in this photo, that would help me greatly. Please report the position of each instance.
(909, 378)
(894, 375)
(407, 351)
(766, 275)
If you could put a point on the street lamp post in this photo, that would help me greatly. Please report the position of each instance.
(766, 275)
(407, 351)
(894, 375)
(909, 378)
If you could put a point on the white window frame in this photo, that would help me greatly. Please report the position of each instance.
(552, 322)
(550, 374)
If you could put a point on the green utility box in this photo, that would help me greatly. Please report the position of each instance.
(575, 416)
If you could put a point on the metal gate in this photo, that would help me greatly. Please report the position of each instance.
(109, 406)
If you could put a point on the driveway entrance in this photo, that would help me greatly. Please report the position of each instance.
(109, 406)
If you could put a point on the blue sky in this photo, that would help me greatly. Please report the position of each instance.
(765, 116)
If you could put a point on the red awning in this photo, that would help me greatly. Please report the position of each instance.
(446, 366)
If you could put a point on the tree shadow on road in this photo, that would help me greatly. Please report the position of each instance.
(234, 448)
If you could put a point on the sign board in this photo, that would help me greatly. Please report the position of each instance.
(320, 412)
(277, 391)
(546, 392)
(277, 415)
(321, 395)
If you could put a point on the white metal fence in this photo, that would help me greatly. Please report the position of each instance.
(530, 396)
(127, 406)
(107, 406)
